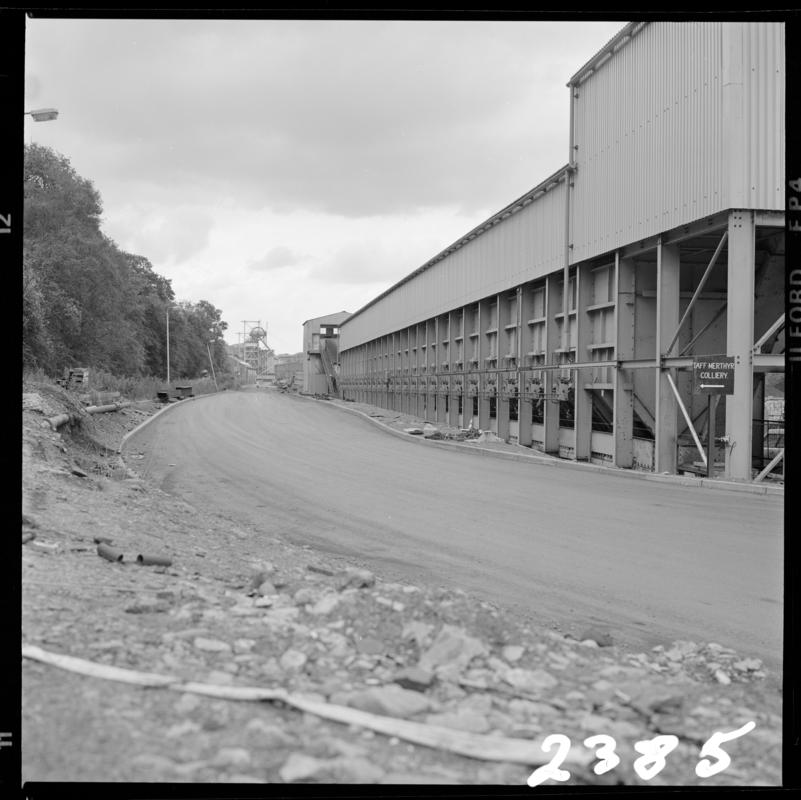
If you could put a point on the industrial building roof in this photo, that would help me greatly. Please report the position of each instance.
(619, 40)
(332, 319)
(513, 207)
(610, 48)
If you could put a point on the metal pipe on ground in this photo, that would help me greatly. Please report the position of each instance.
(61, 419)
(109, 553)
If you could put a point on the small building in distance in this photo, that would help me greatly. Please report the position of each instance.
(289, 369)
(321, 354)
(244, 372)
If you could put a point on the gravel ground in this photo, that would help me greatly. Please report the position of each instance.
(244, 608)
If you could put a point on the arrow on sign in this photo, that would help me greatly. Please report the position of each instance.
(713, 386)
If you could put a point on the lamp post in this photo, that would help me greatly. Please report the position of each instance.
(211, 361)
(168, 348)
(43, 114)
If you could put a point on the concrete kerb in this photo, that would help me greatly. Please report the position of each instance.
(155, 416)
(550, 461)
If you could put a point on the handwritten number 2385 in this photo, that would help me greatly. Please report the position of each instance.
(651, 761)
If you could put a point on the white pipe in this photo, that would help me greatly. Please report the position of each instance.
(687, 418)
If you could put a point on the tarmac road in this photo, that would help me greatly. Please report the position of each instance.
(652, 561)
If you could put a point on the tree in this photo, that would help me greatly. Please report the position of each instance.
(87, 302)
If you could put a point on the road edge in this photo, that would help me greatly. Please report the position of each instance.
(161, 411)
(548, 461)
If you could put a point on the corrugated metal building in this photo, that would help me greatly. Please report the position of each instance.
(666, 226)
(321, 354)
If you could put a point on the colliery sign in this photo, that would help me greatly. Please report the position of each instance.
(713, 375)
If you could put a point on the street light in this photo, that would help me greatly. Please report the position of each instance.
(43, 114)
(168, 348)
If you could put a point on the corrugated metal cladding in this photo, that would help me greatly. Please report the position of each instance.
(525, 245)
(763, 101)
(685, 120)
(648, 131)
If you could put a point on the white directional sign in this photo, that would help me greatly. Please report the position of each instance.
(713, 374)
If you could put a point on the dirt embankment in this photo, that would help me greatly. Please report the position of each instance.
(375, 682)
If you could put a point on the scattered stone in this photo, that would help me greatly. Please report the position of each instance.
(29, 521)
(453, 646)
(265, 589)
(147, 605)
(280, 617)
(370, 646)
(594, 724)
(325, 605)
(299, 767)
(241, 777)
(244, 645)
(415, 678)
(112, 644)
(356, 769)
(356, 578)
(186, 703)
(722, 677)
(211, 645)
(263, 602)
(232, 757)
(79, 472)
(260, 572)
(181, 729)
(28, 536)
(305, 595)
(153, 762)
(748, 665)
(293, 660)
(245, 610)
(419, 631)
(530, 680)
(216, 716)
(657, 700)
(268, 735)
(513, 652)
(601, 637)
(320, 570)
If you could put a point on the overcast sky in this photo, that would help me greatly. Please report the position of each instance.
(284, 170)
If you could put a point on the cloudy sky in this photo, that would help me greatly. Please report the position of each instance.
(283, 170)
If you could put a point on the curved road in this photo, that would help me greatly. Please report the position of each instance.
(654, 562)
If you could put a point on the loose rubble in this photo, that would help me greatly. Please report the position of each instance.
(273, 615)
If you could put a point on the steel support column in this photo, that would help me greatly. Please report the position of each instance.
(623, 424)
(524, 407)
(667, 320)
(583, 412)
(552, 343)
(740, 343)
(483, 352)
